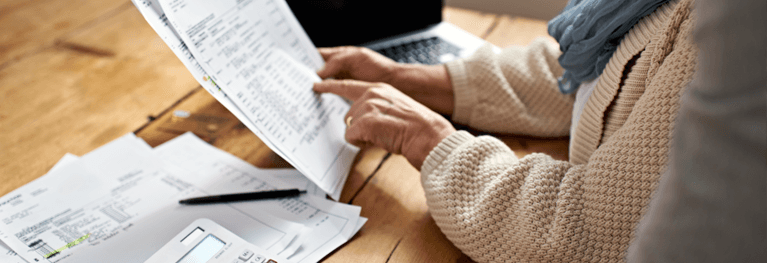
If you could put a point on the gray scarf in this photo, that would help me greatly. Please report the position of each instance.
(589, 31)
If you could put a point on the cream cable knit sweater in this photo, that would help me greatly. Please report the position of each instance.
(498, 208)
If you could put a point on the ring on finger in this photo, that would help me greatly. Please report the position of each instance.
(349, 121)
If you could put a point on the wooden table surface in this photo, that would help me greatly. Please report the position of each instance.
(77, 74)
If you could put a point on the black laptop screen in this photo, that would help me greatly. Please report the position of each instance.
(354, 22)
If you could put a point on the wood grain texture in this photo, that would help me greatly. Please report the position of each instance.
(476, 23)
(517, 31)
(27, 27)
(63, 100)
(395, 205)
(420, 238)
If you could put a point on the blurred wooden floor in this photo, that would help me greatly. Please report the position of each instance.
(76, 74)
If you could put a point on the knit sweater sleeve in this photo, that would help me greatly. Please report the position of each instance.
(496, 207)
(512, 92)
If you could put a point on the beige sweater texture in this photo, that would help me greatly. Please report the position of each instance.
(498, 208)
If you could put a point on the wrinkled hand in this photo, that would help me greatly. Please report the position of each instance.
(356, 63)
(383, 116)
(429, 85)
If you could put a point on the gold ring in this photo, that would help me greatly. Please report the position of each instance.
(349, 121)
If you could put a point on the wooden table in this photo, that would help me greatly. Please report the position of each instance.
(77, 74)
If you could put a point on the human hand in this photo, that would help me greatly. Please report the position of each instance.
(383, 116)
(356, 63)
(429, 85)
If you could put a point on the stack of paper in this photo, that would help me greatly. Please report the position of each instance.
(119, 203)
(255, 58)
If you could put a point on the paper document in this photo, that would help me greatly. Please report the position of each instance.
(329, 224)
(153, 14)
(8, 256)
(299, 181)
(263, 62)
(125, 207)
(117, 204)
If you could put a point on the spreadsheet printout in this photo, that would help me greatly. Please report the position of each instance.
(107, 204)
(258, 54)
(331, 224)
(156, 18)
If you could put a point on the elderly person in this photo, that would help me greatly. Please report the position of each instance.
(613, 84)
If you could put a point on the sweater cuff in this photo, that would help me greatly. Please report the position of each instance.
(464, 97)
(443, 149)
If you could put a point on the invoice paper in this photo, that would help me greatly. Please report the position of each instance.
(97, 209)
(258, 54)
(330, 224)
(8, 256)
(153, 14)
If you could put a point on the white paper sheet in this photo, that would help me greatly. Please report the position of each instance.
(67, 159)
(8, 256)
(251, 48)
(153, 14)
(331, 223)
(122, 198)
(156, 18)
(299, 181)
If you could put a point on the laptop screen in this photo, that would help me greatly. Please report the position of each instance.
(353, 22)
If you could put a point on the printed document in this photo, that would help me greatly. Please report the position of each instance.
(263, 62)
(118, 204)
(153, 14)
(329, 224)
(8, 256)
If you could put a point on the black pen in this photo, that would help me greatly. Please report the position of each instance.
(241, 197)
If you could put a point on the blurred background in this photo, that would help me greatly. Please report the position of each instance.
(543, 9)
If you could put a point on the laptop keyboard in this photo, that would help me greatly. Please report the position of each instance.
(430, 51)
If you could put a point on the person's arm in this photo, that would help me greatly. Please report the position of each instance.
(429, 85)
(496, 207)
(512, 92)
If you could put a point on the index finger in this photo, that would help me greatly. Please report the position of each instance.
(349, 89)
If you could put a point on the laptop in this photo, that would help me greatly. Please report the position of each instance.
(406, 31)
